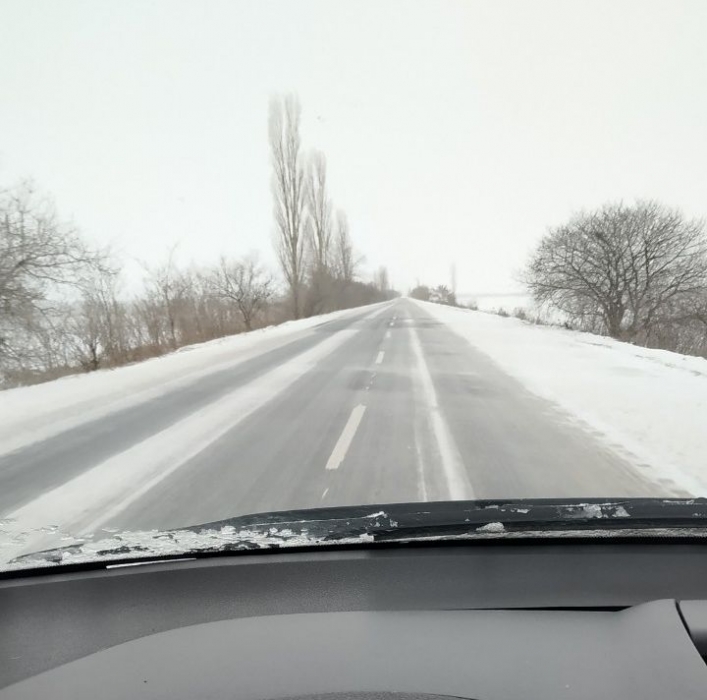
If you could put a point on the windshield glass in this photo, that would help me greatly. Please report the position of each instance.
(291, 255)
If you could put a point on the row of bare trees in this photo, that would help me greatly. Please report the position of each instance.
(312, 239)
(64, 306)
(634, 272)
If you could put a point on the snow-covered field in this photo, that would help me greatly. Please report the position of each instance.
(651, 404)
(511, 305)
(30, 414)
(497, 302)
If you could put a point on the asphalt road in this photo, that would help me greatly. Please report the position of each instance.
(385, 405)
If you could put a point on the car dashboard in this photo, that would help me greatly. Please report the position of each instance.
(483, 620)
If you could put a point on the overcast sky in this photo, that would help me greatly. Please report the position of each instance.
(455, 131)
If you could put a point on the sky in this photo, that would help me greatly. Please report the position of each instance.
(456, 132)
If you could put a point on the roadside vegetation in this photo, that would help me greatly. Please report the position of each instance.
(65, 306)
(441, 294)
(636, 273)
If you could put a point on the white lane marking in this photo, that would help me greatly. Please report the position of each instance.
(99, 396)
(380, 357)
(94, 497)
(457, 481)
(326, 491)
(346, 437)
(387, 334)
(421, 481)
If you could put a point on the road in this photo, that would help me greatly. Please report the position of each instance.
(385, 405)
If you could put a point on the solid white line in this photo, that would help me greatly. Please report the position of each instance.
(346, 438)
(387, 334)
(379, 359)
(452, 464)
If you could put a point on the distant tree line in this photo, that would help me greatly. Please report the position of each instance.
(637, 273)
(441, 294)
(64, 307)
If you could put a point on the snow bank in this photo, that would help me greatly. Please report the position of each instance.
(29, 414)
(650, 403)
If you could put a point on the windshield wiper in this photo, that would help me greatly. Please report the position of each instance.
(408, 522)
(394, 522)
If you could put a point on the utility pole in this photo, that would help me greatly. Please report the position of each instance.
(453, 275)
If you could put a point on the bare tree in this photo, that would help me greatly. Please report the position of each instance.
(246, 284)
(213, 317)
(39, 256)
(83, 333)
(345, 263)
(380, 279)
(319, 211)
(186, 305)
(623, 268)
(95, 327)
(442, 294)
(37, 251)
(150, 322)
(320, 293)
(104, 292)
(168, 287)
(288, 193)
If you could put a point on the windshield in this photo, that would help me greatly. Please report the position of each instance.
(291, 255)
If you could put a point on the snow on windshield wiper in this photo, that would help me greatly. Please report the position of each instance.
(156, 544)
(365, 525)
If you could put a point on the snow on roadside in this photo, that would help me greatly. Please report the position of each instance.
(652, 403)
(496, 302)
(89, 500)
(29, 414)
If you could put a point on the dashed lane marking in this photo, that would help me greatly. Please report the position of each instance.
(342, 446)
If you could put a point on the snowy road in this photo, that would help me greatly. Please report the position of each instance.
(378, 405)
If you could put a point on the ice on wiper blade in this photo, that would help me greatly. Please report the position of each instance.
(596, 510)
(287, 529)
(176, 543)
